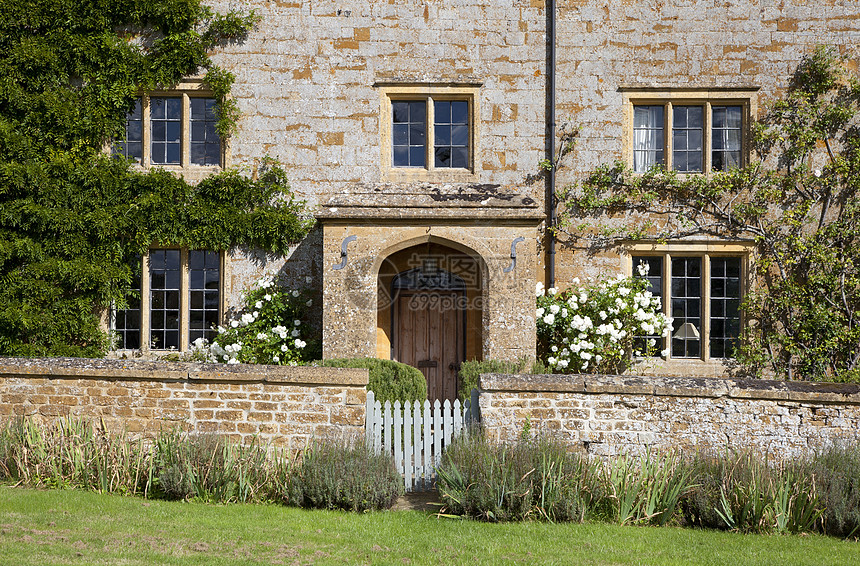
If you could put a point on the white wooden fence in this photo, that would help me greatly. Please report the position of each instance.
(417, 434)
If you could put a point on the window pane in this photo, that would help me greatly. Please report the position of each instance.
(647, 137)
(165, 121)
(164, 281)
(725, 299)
(204, 277)
(409, 127)
(687, 139)
(205, 142)
(686, 305)
(726, 138)
(451, 124)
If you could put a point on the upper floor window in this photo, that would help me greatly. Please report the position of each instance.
(686, 132)
(429, 132)
(175, 299)
(172, 130)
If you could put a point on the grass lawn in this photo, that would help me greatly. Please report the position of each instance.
(75, 527)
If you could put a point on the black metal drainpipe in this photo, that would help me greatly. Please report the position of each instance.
(550, 188)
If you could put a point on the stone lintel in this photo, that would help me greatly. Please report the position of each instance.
(348, 215)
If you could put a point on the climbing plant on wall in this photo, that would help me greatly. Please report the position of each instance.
(798, 201)
(72, 218)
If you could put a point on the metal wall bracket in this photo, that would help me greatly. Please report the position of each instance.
(513, 264)
(343, 254)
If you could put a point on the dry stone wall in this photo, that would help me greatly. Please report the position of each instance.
(608, 415)
(286, 406)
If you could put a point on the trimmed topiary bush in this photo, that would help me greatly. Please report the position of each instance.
(389, 380)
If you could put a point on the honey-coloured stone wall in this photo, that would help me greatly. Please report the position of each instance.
(285, 406)
(608, 415)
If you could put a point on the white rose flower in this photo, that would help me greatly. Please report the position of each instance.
(284, 347)
(258, 304)
(295, 293)
(234, 323)
(276, 358)
(549, 319)
(267, 296)
(539, 289)
(297, 322)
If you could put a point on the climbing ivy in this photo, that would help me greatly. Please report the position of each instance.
(798, 201)
(72, 218)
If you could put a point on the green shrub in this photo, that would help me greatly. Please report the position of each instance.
(469, 372)
(837, 477)
(209, 467)
(389, 380)
(343, 475)
(740, 491)
(504, 482)
(73, 453)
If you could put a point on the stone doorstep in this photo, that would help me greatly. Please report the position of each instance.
(427, 501)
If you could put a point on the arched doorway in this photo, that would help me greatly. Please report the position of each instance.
(430, 313)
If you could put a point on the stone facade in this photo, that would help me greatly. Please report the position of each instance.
(312, 82)
(286, 406)
(608, 415)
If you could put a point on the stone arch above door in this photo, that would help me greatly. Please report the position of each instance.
(359, 237)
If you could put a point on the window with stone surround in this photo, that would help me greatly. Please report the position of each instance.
(701, 287)
(688, 131)
(174, 129)
(176, 297)
(428, 132)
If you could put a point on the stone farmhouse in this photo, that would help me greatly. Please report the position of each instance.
(415, 130)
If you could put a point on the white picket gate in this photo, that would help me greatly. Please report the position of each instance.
(417, 434)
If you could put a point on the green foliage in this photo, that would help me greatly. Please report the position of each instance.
(339, 475)
(531, 479)
(741, 491)
(75, 453)
(72, 219)
(799, 202)
(389, 380)
(470, 370)
(210, 468)
(836, 470)
(270, 328)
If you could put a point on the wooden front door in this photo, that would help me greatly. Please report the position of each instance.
(428, 335)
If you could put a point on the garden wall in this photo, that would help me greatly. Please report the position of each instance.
(283, 405)
(607, 415)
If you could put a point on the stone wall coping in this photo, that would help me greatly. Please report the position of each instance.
(87, 368)
(797, 391)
